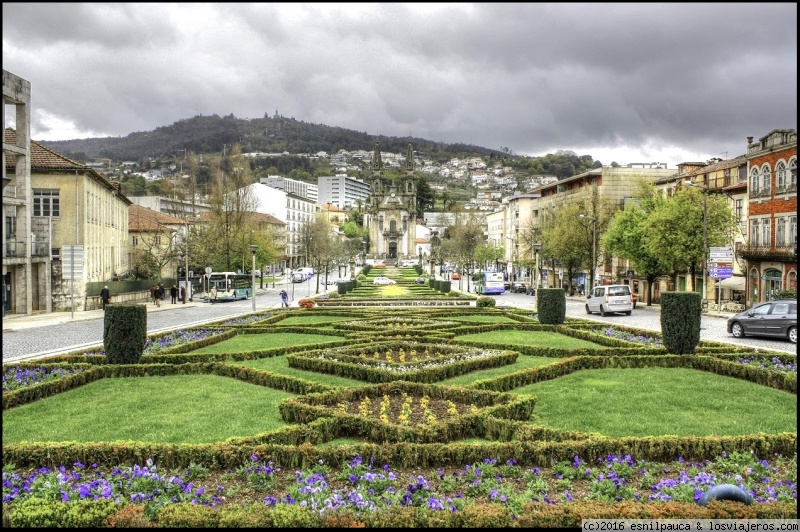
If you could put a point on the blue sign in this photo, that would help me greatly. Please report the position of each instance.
(309, 276)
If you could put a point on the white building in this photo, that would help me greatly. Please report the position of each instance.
(343, 191)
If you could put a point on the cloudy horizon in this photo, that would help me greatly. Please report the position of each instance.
(628, 83)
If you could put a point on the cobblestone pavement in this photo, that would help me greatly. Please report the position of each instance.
(28, 337)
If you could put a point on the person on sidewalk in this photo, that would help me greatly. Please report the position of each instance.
(284, 299)
(154, 294)
(105, 296)
(173, 293)
(183, 294)
(213, 294)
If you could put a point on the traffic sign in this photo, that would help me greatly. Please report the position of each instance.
(629, 274)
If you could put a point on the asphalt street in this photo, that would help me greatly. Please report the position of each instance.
(30, 337)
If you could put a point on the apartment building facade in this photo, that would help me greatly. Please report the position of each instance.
(771, 250)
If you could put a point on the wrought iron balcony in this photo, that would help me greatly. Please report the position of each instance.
(763, 253)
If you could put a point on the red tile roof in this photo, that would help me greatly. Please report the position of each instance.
(46, 160)
(142, 219)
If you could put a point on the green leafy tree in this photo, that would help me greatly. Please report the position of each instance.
(626, 236)
(561, 242)
(675, 229)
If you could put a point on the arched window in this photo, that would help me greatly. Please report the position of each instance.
(780, 174)
(791, 280)
(754, 182)
(793, 174)
(765, 179)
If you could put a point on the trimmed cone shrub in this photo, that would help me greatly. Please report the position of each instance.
(124, 333)
(552, 305)
(680, 321)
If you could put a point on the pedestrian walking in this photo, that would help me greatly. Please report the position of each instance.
(284, 299)
(173, 293)
(183, 294)
(105, 296)
(154, 294)
(213, 293)
(161, 292)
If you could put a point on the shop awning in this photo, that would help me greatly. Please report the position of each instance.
(732, 283)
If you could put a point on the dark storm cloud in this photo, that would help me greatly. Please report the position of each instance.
(624, 81)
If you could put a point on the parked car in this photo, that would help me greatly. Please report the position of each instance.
(455, 276)
(421, 280)
(507, 285)
(610, 298)
(774, 318)
(383, 280)
(518, 288)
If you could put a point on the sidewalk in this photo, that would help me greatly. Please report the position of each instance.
(16, 322)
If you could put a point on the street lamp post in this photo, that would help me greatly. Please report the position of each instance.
(704, 189)
(254, 248)
(187, 286)
(536, 247)
(594, 248)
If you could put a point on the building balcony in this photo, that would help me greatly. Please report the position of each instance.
(14, 249)
(767, 253)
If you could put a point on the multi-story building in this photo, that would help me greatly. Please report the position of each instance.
(610, 187)
(771, 250)
(25, 265)
(725, 178)
(343, 191)
(77, 224)
(180, 208)
(301, 189)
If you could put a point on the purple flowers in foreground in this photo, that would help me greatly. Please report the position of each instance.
(16, 377)
(633, 337)
(361, 486)
(773, 363)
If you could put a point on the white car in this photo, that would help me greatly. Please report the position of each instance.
(383, 280)
(610, 298)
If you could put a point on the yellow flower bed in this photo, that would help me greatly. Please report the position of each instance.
(392, 290)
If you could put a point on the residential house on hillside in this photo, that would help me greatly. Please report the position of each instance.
(77, 230)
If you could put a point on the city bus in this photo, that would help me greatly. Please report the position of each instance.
(490, 283)
(230, 286)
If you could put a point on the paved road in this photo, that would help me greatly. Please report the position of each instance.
(43, 335)
(26, 337)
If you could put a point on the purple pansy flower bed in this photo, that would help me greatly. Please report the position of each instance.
(16, 377)
(363, 485)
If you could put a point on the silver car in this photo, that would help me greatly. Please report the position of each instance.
(610, 298)
(774, 318)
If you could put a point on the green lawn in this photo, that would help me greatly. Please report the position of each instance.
(533, 338)
(312, 320)
(661, 401)
(523, 362)
(281, 366)
(171, 409)
(242, 343)
(484, 319)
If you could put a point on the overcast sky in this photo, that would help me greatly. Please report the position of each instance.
(622, 82)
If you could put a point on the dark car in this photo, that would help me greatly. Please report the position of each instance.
(507, 285)
(774, 318)
(531, 291)
(421, 280)
(518, 288)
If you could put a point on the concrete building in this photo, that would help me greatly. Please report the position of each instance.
(179, 208)
(25, 266)
(301, 189)
(343, 191)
